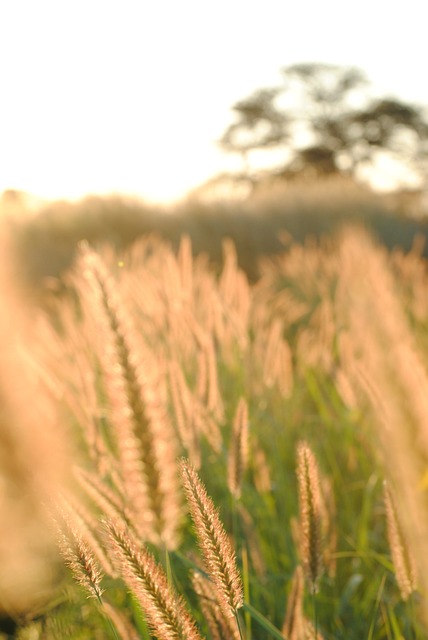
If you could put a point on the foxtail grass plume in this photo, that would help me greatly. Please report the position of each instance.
(238, 455)
(79, 557)
(278, 365)
(164, 609)
(386, 365)
(33, 448)
(402, 558)
(215, 545)
(100, 494)
(144, 436)
(310, 514)
(183, 405)
(221, 627)
(88, 526)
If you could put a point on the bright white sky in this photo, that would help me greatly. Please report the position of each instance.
(129, 96)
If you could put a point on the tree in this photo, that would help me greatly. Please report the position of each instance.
(323, 120)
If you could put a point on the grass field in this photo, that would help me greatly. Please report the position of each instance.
(190, 454)
(46, 238)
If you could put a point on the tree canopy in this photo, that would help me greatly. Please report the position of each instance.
(323, 119)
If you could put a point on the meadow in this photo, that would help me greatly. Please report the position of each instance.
(189, 450)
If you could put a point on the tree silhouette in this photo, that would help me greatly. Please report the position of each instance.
(323, 120)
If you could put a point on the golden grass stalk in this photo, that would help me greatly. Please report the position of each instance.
(72, 379)
(214, 399)
(402, 558)
(108, 502)
(88, 526)
(184, 420)
(33, 450)
(220, 626)
(144, 437)
(205, 424)
(164, 609)
(386, 367)
(261, 470)
(208, 386)
(238, 455)
(186, 267)
(277, 366)
(310, 514)
(231, 305)
(79, 557)
(215, 545)
(192, 415)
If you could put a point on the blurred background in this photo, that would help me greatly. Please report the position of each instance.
(117, 115)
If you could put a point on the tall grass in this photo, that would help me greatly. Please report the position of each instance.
(290, 401)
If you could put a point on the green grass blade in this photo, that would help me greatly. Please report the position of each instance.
(263, 622)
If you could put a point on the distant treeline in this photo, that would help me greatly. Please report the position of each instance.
(45, 242)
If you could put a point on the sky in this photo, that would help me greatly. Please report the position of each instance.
(131, 96)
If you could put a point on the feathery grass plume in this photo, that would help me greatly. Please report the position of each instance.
(227, 284)
(75, 376)
(215, 545)
(272, 345)
(231, 305)
(108, 502)
(185, 265)
(234, 288)
(238, 454)
(213, 399)
(88, 526)
(205, 424)
(163, 607)
(33, 449)
(208, 387)
(221, 627)
(402, 558)
(280, 368)
(144, 437)
(181, 404)
(78, 556)
(190, 407)
(261, 471)
(310, 514)
(389, 373)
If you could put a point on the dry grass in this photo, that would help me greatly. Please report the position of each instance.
(311, 513)
(322, 364)
(219, 556)
(33, 458)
